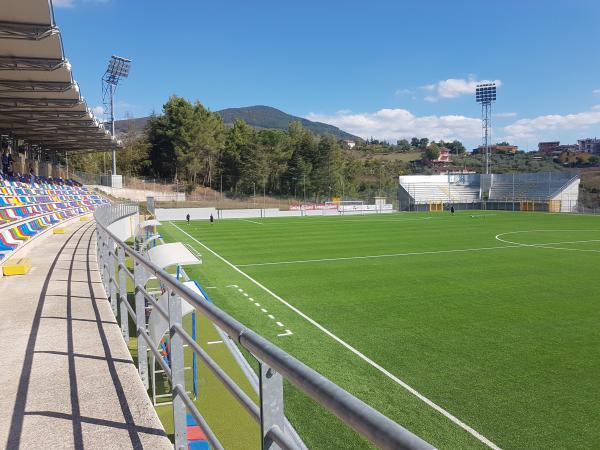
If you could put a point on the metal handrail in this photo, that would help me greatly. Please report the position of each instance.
(274, 362)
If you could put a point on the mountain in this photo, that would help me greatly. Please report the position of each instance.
(256, 116)
(268, 117)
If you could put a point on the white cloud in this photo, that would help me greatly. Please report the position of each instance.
(596, 91)
(596, 107)
(549, 124)
(504, 115)
(453, 87)
(393, 124)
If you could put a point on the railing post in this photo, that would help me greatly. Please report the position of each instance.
(112, 274)
(103, 270)
(99, 252)
(271, 404)
(139, 277)
(123, 296)
(177, 373)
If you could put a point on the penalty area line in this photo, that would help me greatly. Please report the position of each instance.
(365, 358)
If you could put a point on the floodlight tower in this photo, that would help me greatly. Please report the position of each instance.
(485, 93)
(117, 68)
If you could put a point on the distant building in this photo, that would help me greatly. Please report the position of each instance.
(444, 156)
(350, 144)
(589, 145)
(548, 147)
(571, 148)
(497, 148)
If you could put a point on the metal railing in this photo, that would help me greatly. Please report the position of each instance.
(275, 364)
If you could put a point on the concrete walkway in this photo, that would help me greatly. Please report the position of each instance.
(67, 379)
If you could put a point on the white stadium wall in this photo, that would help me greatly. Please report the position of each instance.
(204, 213)
(569, 196)
(180, 213)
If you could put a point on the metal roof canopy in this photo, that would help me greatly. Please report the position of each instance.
(167, 255)
(39, 100)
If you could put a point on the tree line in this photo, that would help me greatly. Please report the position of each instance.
(189, 145)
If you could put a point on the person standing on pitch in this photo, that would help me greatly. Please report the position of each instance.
(212, 219)
(188, 218)
(452, 210)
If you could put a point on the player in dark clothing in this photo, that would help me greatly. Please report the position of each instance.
(212, 219)
(452, 210)
(187, 218)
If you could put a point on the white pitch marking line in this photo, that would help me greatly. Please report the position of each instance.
(338, 220)
(245, 295)
(569, 242)
(240, 290)
(210, 287)
(257, 304)
(287, 333)
(251, 299)
(271, 316)
(279, 324)
(369, 361)
(214, 342)
(547, 245)
(390, 255)
(246, 220)
(263, 310)
(232, 285)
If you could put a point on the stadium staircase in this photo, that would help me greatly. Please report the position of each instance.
(26, 210)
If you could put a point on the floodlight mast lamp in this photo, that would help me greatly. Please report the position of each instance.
(118, 68)
(485, 93)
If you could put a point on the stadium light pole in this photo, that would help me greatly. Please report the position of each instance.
(117, 69)
(485, 93)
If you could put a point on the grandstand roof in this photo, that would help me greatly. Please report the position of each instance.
(39, 100)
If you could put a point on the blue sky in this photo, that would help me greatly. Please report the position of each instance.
(388, 69)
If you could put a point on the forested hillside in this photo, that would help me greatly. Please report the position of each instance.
(255, 116)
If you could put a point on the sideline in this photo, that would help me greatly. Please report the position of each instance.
(369, 361)
(251, 221)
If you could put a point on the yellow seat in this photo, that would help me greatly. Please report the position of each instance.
(58, 230)
(16, 266)
(84, 218)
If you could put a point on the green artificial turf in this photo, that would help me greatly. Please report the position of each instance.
(505, 339)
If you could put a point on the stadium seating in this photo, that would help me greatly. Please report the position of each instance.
(541, 187)
(469, 188)
(28, 209)
(442, 192)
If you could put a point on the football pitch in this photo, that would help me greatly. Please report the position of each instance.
(474, 330)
